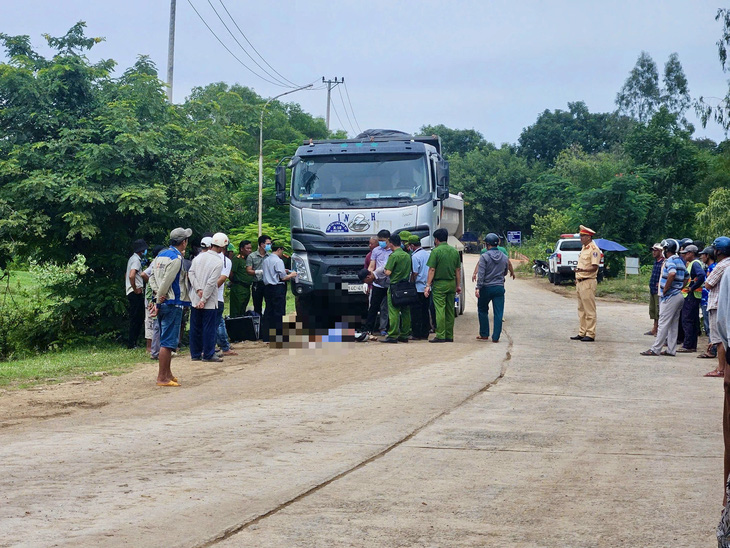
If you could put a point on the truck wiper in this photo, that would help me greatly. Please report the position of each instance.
(333, 199)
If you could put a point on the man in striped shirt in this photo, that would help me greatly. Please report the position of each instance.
(674, 273)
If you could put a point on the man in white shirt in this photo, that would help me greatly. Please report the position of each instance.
(274, 276)
(203, 276)
(221, 333)
(134, 286)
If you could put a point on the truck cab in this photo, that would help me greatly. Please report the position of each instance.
(342, 193)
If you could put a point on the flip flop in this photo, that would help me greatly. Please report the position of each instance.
(715, 374)
(707, 356)
(649, 352)
(168, 383)
(650, 334)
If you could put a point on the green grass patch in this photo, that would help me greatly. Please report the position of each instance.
(54, 367)
(632, 289)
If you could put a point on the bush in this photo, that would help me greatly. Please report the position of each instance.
(45, 313)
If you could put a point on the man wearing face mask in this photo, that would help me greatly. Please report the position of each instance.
(378, 299)
(254, 265)
(135, 292)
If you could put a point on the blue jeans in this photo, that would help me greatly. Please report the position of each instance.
(705, 319)
(202, 333)
(221, 333)
(495, 295)
(170, 317)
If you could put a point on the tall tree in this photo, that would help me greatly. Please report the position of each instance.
(455, 141)
(720, 111)
(675, 94)
(640, 95)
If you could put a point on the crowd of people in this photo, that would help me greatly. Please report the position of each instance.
(178, 289)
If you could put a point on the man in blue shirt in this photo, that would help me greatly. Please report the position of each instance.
(420, 323)
(671, 300)
(656, 274)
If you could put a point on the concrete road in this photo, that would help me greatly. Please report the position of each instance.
(535, 441)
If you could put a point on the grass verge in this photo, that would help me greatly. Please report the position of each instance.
(55, 367)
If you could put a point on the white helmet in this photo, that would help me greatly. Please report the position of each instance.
(220, 239)
(206, 242)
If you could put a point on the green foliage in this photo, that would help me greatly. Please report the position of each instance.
(556, 131)
(640, 95)
(277, 233)
(713, 219)
(548, 227)
(455, 141)
(45, 312)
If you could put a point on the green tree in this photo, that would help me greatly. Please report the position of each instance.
(455, 141)
(492, 182)
(555, 131)
(675, 94)
(713, 219)
(640, 95)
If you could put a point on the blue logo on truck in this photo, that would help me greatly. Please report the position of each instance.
(336, 227)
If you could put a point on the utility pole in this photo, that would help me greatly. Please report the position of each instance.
(171, 51)
(330, 85)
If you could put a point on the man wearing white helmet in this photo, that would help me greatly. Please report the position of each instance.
(203, 276)
(674, 273)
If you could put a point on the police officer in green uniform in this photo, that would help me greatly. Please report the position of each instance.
(444, 280)
(399, 268)
(241, 280)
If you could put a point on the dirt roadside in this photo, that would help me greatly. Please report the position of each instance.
(378, 445)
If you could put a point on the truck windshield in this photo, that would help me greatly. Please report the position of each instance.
(361, 177)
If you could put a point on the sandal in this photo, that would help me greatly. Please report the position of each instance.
(649, 352)
(715, 373)
(665, 353)
(706, 355)
(168, 383)
(480, 338)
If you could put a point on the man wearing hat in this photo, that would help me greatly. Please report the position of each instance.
(169, 281)
(656, 274)
(692, 293)
(586, 274)
(134, 286)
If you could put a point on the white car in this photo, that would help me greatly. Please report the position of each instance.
(563, 261)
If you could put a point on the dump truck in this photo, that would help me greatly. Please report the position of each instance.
(344, 191)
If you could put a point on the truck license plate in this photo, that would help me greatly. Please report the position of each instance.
(356, 288)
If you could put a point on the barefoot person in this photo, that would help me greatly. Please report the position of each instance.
(169, 282)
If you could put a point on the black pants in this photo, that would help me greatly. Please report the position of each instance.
(690, 321)
(376, 300)
(136, 318)
(420, 317)
(275, 310)
(257, 296)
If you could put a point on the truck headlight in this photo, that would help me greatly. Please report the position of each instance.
(301, 265)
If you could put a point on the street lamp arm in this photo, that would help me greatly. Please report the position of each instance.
(261, 149)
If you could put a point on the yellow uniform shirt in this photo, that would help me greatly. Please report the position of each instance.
(589, 255)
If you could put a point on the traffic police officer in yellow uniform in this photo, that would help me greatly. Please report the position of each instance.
(586, 274)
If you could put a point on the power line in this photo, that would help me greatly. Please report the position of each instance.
(351, 109)
(282, 82)
(344, 107)
(229, 51)
(338, 117)
(252, 46)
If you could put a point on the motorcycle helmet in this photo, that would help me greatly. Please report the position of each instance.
(670, 245)
(492, 239)
(684, 242)
(722, 245)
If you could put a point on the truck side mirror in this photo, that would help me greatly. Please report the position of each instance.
(280, 184)
(442, 179)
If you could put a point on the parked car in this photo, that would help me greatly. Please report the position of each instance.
(562, 261)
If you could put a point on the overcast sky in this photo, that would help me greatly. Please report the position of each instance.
(488, 65)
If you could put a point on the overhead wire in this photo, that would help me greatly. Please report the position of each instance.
(351, 109)
(344, 106)
(282, 82)
(294, 84)
(229, 51)
(338, 116)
